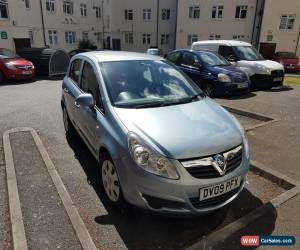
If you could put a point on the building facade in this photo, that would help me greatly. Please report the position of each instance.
(137, 25)
(214, 19)
(53, 23)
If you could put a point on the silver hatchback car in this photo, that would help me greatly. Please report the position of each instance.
(160, 142)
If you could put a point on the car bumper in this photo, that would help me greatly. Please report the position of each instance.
(275, 79)
(232, 88)
(19, 75)
(162, 195)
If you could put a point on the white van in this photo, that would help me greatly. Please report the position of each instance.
(263, 73)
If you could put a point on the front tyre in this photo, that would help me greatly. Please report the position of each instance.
(110, 182)
(2, 77)
(209, 90)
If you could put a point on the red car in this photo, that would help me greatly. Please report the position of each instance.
(13, 67)
(289, 60)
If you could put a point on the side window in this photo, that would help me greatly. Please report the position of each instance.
(189, 59)
(89, 83)
(226, 51)
(75, 71)
(174, 57)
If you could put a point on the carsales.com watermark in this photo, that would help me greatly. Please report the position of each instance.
(255, 240)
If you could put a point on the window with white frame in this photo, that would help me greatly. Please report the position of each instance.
(98, 12)
(128, 14)
(165, 14)
(191, 38)
(50, 6)
(53, 38)
(129, 38)
(27, 4)
(241, 11)
(70, 37)
(99, 37)
(3, 9)
(31, 37)
(85, 36)
(237, 37)
(287, 22)
(164, 39)
(68, 7)
(146, 14)
(214, 37)
(217, 12)
(146, 38)
(194, 12)
(83, 9)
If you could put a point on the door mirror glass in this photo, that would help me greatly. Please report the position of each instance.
(231, 58)
(85, 100)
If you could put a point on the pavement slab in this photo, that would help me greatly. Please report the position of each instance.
(47, 225)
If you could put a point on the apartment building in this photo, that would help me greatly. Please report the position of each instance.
(280, 27)
(214, 19)
(53, 23)
(136, 25)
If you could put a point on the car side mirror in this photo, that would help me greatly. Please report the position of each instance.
(85, 100)
(231, 58)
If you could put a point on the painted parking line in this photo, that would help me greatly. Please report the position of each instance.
(18, 231)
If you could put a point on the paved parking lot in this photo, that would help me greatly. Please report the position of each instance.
(37, 105)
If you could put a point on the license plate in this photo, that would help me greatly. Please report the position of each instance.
(277, 79)
(242, 85)
(27, 72)
(291, 66)
(223, 188)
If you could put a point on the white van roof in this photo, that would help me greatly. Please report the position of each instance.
(223, 42)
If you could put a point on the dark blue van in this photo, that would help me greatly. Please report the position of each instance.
(213, 73)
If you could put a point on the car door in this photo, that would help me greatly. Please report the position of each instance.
(91, 119)
(188, 63)
(71, 88)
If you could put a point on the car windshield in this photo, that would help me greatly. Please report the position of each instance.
(5, 54)
(147, 83)
(211, 59)
(247, 53)
(287, 55)
(154, 52)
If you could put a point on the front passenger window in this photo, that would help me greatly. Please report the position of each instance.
(89, 83)
(75, 71)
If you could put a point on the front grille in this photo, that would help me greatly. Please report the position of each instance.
(277, 73)
(207, 171)
(215, 201)
(25, 67)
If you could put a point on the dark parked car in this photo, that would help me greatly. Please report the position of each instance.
(289, 60)
(213, 73)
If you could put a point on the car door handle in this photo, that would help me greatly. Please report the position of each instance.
(77, 105)
(66, 90)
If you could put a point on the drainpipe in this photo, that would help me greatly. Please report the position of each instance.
(297, 43)
(157, 23)
(175, 42)
(43, 24)
(102, 17)
(254, 23)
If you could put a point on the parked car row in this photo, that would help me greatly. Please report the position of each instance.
(222, 67)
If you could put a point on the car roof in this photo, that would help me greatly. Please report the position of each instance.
(194, 51)
(108, 56)
(225, 42)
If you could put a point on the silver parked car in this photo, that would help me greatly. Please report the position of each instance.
(160, 142)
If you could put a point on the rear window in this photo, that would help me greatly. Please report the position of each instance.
(287, 55)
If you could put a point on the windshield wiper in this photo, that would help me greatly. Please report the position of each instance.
(196, 96)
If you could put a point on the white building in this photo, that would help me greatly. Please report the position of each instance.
(55, 23)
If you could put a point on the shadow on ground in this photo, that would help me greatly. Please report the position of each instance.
(141, 230)
(239, 97)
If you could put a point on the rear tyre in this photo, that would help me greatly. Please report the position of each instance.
(209, 90)
(70, 130)
(110, 182)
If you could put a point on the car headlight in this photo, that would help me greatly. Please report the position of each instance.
(224, 78)
(262, 68)
(150, 160)
(10, 66)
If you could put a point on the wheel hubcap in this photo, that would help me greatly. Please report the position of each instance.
(110, 181)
